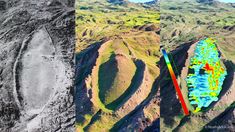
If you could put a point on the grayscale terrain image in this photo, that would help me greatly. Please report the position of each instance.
(37, 41)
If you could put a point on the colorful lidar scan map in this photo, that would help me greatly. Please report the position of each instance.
(206, 75)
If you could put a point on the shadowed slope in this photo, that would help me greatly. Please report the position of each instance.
(115, 77)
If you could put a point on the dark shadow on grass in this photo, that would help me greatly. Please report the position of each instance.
(96, 117)
(221, 120)
(155, 126)
(170, 105)
(182, 123)
(106, 77)
(135, 84)
(85, 61)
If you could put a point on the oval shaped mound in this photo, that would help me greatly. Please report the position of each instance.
(115, 77)
(38, 76)
(206, 75)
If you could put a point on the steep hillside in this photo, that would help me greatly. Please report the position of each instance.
(117, 50)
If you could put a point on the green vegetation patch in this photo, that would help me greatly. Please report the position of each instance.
(106, 19)
(115, 77)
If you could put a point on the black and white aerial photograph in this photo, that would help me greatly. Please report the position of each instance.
(37, 41)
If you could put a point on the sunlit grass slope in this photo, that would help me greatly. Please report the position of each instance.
(96, 19)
